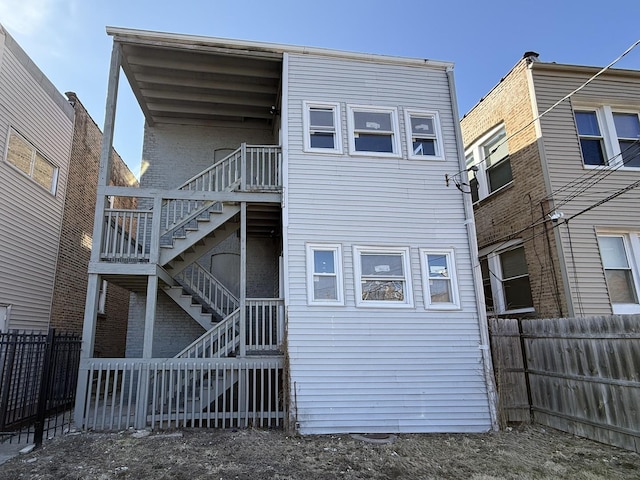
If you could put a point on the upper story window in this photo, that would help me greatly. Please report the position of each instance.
(490, 155)
(324, 274)
(322, 128)
(26, 158)
(608, 137)
(505, 277)
(423, 135)
(439, 279)
(382, 277)
(619, 254)
(373, 131)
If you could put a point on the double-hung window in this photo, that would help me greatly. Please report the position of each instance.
(324, 274)
(488, 164)
(373, 131)
(423, 135)
(608, 136)
(26, 158)
(617, 252)
(439, 279)
(506, 275)
(382, 276)
(322, 128)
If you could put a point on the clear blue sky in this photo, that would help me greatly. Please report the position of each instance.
(67, 39)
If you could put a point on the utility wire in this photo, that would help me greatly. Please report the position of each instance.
(566, 97)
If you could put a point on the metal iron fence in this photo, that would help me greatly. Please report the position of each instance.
(38, 373)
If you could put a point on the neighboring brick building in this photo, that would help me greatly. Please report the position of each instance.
(537, 262)
(76, 239)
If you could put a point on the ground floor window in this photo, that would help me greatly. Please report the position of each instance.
(505, 278)
(620, 254)
(324, 274)
(382, 276)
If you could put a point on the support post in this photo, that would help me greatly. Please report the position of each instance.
(150, 316)
(156, 223)
(88, 340)
(243, 167)
(243, 279)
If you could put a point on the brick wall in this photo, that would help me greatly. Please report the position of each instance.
(502, 214)
(70, 289)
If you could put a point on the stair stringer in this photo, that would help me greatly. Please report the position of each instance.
(206, 226)
(189, 305)
(180, 262)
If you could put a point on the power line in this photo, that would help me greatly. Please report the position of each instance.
(566, 97)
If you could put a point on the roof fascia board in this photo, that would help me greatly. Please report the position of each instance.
(125, 35)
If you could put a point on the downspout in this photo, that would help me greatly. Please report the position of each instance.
(477, 274)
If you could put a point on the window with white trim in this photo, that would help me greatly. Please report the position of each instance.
(324, 274)
(423, 135)
(439, 279)
(608, 136)
(505, 278)
(322, 127)
(620, 253)
(382, 276)
(489, 165)
(373, 131)
(26, 158)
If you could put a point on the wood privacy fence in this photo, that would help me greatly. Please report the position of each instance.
(580, 375)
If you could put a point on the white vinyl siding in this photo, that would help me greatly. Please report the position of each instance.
(31, 217)
(387, 370)
(586, 280)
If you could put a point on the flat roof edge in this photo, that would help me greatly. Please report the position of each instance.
(121, 34)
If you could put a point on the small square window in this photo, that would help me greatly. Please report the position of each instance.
(382, 277)
(423, 135)
(439, 279)
(373, 131)
(324, 273)
(322, 128)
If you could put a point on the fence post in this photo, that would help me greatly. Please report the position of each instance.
(525, 365)
(43, 396)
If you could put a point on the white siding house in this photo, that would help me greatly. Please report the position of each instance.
(36, 129)
(330, 286)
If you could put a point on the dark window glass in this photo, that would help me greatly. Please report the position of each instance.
(486, 284)
(424, 146)
(630, 150)
(499, 175)
(592, 153)
(374, 143)
(322, 140)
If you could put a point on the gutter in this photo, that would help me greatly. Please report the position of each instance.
(477, 274)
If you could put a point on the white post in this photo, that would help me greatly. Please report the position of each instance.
(150, 316)
(243, 167)
(243, 279)
(156, 225)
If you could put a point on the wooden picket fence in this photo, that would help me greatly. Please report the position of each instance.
(579, 375)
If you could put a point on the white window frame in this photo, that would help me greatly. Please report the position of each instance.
(336, 248)
(394, 132)
(5, 316)
(477, 152)
(495, 277)
(454, 304)
(611, 146)
(436, 135)
(631, 241)
(34, 152)
(358, 251)
(337, 131)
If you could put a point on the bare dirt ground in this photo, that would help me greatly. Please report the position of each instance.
(527, 453)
